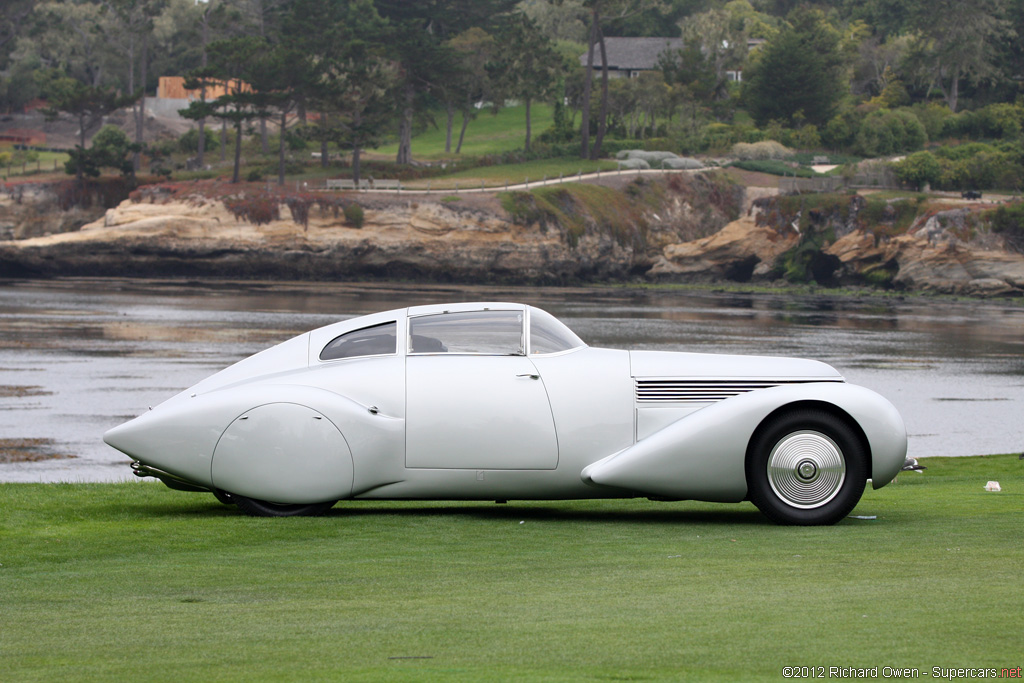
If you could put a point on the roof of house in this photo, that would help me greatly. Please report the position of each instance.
(637, 54)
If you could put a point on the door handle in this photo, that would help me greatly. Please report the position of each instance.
(530, 375)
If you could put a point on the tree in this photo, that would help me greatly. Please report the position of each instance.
(918, 169)
(110, 148)
(237, 65)
(797, 75)
(527, 68)
(351, 79)
(419, 33)
(561, 20)
(129, 31)
(209, 16)
(956, 42)
(604, 12)
(720, 45)
(473, 50)
(85, 103)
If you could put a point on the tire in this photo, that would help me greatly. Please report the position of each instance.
(262, 508)
(806, 467)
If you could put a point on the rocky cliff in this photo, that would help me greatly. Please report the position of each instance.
(564, 234)
(683, 229)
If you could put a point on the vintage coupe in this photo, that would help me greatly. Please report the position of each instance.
(499, 401)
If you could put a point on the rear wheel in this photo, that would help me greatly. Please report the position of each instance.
(262, 508)
(806, 467)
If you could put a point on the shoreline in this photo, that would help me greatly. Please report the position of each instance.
(634, 287)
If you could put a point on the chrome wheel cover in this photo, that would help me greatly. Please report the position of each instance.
(806, 469)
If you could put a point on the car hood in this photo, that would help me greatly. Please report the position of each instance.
(709, 365)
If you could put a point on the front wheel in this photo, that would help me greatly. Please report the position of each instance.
(806, 467)
(262, 508)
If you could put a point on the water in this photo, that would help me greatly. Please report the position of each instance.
(80, 356)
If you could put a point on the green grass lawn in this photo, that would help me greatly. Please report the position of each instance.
(486, 134)
(138, 582)
(45, 163)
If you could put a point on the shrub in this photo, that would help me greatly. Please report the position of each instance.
(189, 142)
(918, 168)
(354, 215)
(1001, 121)
(258, 210)
(1008, 220)
(887, 132)
(766, 149)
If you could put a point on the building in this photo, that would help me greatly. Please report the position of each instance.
(627, 57)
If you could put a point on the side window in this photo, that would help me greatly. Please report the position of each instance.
(369, 341)
(549, 335)
(486, 332)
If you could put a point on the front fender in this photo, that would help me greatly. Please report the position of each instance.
(702, 456)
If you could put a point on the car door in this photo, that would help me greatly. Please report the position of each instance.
(473, 398)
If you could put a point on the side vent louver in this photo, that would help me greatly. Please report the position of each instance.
(705, 390)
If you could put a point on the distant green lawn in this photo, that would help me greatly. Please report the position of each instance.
(486, 134)
(137, 582)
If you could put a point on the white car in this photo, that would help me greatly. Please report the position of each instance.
(500, 401)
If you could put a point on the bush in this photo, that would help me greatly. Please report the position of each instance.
(999, 121)
(841, 130)
(767, 149)
(918, 168)
(1008, 220)
(354, 215)
(189, 142)
(886, 132)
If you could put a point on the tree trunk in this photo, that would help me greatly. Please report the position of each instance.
(131, 89)
(356, 157)
(140, 128)
(952, 95)
(280, 149)
(527, 147)
(462, 133)
(201, 155)
(223, 140)
(325, 159)
(588, 84)
(450, 111)
(602, 117)
(264, 142)
(405, 126)
(238, 151)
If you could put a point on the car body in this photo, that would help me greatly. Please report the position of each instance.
(500, 401)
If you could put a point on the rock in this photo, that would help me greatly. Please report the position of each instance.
(733, 253)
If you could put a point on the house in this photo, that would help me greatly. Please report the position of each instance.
(627, 57)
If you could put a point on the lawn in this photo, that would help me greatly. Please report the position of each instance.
(137, 582)
(487, 133)
(45, 163)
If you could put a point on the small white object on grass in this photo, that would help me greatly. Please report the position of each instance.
(993, 486)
